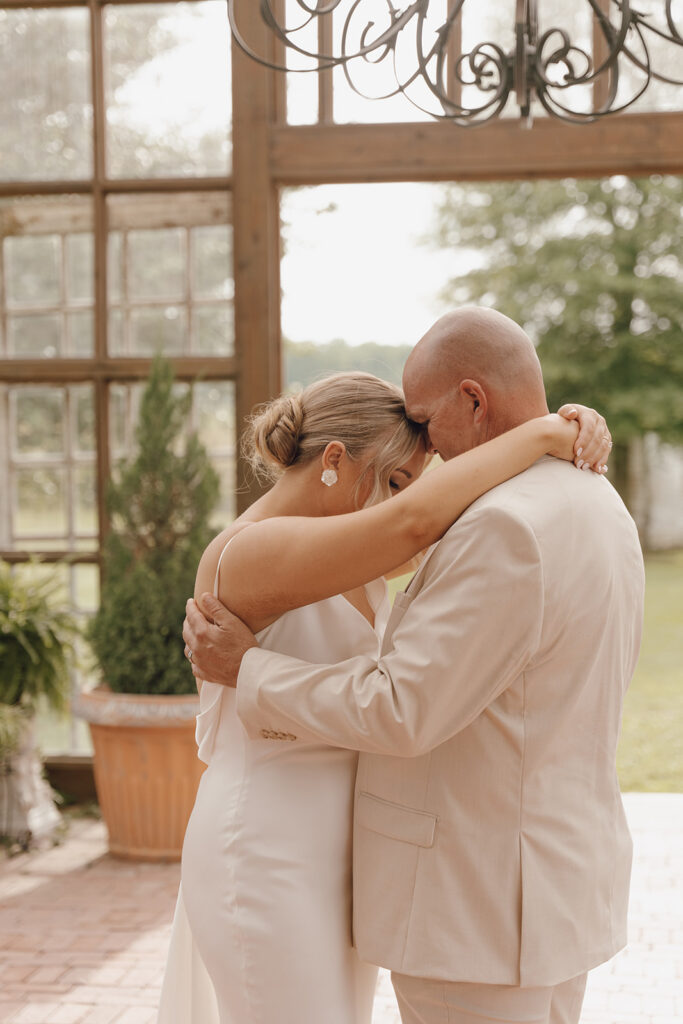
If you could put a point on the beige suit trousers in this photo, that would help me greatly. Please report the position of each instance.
(446, 1002)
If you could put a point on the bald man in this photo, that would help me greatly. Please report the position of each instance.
(491, 851)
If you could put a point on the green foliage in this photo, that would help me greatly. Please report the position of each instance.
(304, 361)
(36, 636)
(593, 271)
(12, 719)
(160, 506)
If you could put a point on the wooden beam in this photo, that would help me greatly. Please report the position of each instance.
(256, 228)
(73, 371)
(17, 556)
(114, 186)
(100, 388)
(633, 144)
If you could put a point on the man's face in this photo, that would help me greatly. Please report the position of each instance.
(445, 412)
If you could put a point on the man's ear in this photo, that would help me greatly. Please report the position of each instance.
(475, 395)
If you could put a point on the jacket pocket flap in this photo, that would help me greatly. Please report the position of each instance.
(395, 821)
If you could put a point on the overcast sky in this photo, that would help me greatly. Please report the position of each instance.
(356, 265)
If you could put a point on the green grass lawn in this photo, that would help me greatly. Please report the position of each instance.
(651, 748)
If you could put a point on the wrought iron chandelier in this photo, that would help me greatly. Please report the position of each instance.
(415, 49)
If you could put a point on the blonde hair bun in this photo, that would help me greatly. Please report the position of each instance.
(274, 432)
(362, 411)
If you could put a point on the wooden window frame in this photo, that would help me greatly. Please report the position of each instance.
(269, 154)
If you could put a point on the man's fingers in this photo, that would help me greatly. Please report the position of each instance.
(188, 634)
(570, 412)
(194, 616)
(197, 628)
(212, 608)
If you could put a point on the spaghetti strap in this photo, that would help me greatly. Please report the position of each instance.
(225, 548)
(211, 694)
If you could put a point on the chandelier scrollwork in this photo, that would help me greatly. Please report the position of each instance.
(417, 53)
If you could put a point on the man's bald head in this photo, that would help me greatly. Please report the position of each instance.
(474, 374)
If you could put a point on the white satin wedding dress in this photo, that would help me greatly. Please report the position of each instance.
(262, 930)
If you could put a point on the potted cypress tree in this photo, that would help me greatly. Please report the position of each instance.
(142, 717)
(36, 640)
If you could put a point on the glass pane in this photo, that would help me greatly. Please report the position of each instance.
(59, 734)
(123, 406)
(213, 417)
(481, 24)
(156, 264)
(41, 502)
(86, 587)
(38, 421)
(32, 269)
(83, 420)
(49, 474)
(665, 59)
(170, 274)
(85, 500)
(114, 265)
(302, 89)
(214, 330)
(212, 262)
(81, 334)
(45, 108)
(167, 89)
(35, 336)
(376, 79)
(158, 330)
(47, 276)
(115, 338)
(80, 272)
(215, 402)
(226, 510)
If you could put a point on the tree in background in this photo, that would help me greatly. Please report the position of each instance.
(306, 361)
(593, 271)
(161, 502)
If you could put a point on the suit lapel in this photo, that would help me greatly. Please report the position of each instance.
(403, 600)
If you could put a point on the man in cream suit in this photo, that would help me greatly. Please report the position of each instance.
(491, 852)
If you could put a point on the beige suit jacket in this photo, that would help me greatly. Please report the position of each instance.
(490, 841)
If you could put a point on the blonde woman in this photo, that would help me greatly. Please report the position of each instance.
(263, 926)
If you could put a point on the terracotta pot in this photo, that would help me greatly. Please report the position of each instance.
(146, 769)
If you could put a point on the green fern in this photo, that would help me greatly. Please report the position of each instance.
(36, 640)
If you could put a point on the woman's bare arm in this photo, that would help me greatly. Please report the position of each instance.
(282, 563)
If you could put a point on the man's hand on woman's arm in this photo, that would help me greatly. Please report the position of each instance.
(215, 640)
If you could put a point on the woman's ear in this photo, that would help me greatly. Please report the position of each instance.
(474, 393)
(333, 455)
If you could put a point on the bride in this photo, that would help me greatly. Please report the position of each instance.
(262, 932)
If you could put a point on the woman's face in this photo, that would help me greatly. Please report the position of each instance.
(409, 471)
(401, 477)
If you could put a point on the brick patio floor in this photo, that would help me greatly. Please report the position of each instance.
(83, 936)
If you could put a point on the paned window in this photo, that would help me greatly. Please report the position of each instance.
(115, 244)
